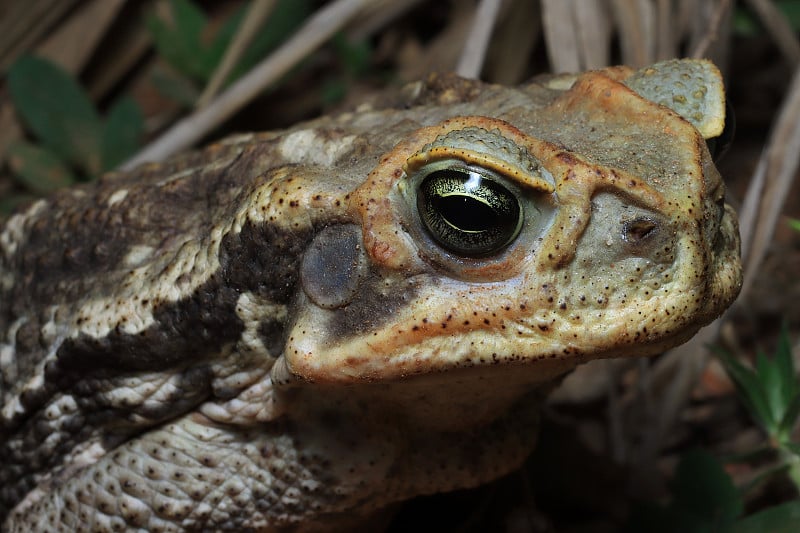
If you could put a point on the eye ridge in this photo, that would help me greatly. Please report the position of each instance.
(467, 211)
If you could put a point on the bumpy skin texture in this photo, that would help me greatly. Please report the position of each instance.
(264, 336)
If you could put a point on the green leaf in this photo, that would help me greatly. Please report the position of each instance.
(333, 91)
(789, 387)
(789, 420)
(744, 24)
(180, 43)
(772, 384)
(122, 132)
(750, 390)
(784, 518)
(37, 169)
(189, 20)
(287, 16)
(703, 489)
(790, 10)
(772, 392)
(785, 363)
(704, 500)
(748, 25)
(794, 224)
(763, 476)
(354, 55)
(223, 37)
(57, 110)
(779, 380)
(172, 85)
(793, 447)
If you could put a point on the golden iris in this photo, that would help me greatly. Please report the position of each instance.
(468, 213)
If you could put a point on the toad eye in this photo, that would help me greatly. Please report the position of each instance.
(467, 212)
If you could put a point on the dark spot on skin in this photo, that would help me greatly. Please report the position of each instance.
(567, 158)
(371, 307)
(333, 266)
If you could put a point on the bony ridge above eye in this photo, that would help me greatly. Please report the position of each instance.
(466, 188)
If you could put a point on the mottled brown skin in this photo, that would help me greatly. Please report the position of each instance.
(263, 336)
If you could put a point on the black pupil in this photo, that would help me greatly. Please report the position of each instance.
(465, 213)
(468, 213)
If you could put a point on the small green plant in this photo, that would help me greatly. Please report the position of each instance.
(75, 142)
(704, 498)
(194, 52)
(354, 57)
(745, 23)
(771, 394)
(185, 44)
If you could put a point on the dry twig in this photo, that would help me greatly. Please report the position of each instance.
(778, 28)
(712, 32)
(474, 52)
(770, 184)
(257, 13)
(24, 23)
(316, 31)
(636, 21)
(578, 34)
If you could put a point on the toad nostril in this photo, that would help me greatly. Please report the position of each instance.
(637, 230)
